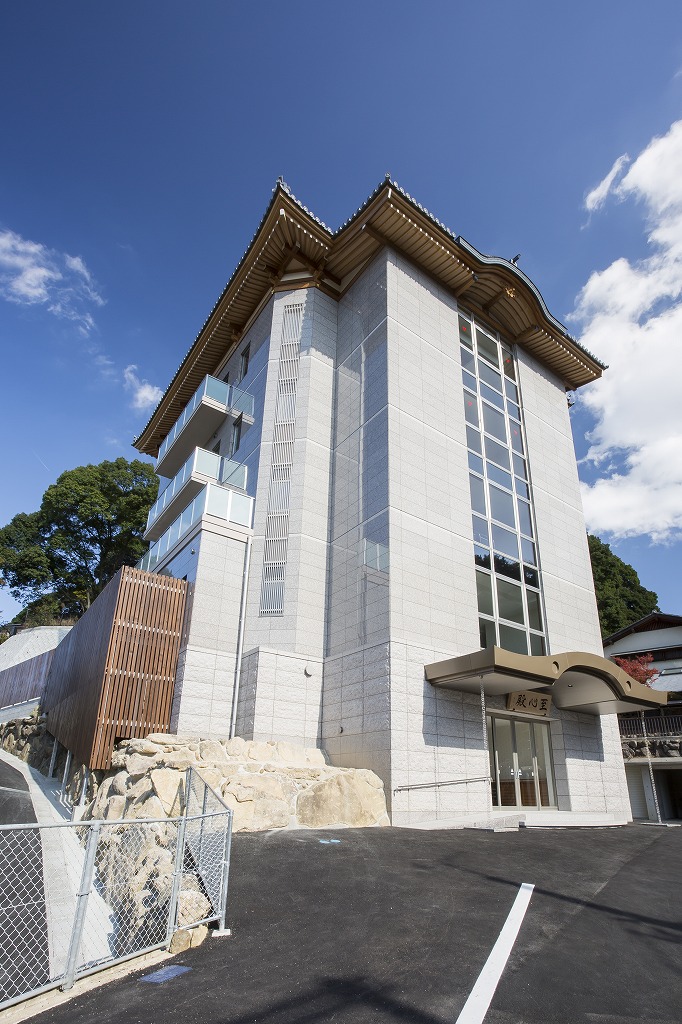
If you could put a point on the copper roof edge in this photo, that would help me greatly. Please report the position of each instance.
(283, 196)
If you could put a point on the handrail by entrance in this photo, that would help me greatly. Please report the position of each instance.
(446, 782)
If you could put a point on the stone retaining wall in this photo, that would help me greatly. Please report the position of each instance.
(267, 785)
(28, 740)
(666, 747)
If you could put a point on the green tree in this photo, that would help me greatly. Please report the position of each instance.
(621, 598)
(89, 524)
(48, 610)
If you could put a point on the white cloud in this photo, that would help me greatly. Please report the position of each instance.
(144, 394)
(630, 314)
(31, 274)
(105, 365)
(596, 198)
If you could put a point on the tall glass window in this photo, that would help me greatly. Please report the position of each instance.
(507, 576)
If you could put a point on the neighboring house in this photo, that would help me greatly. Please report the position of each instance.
(371, 488)
(656, 756)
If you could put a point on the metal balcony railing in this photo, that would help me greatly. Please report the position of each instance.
(656, 726)
(222, 502)
(200, 464)
(231, 398)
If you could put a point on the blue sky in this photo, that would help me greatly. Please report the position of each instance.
(141, 142)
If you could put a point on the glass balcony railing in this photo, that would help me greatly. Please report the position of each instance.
(214, 500)
(200, 462)
(227, 395)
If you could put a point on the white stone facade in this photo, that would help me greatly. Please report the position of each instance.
(380, 577)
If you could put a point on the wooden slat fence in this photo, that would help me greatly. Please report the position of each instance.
(114, 674)
(26, 680)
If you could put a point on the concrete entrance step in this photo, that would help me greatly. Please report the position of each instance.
(572, 819)
(514, 820)
(493, 823)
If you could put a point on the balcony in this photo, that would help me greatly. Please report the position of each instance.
(222, 502)
(663, 736)
(201, 467)
(204, 413)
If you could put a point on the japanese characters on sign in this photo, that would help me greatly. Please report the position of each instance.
(530, 702)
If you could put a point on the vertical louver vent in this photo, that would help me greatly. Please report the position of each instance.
(277, 516)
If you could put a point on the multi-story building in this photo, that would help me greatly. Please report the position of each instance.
(372, 490)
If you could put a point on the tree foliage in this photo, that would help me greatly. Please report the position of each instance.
(639, 667)
(89, 524)
(621, 598)
(49, 610)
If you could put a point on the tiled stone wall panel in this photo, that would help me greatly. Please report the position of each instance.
(437, 736)
(572, 620)
(432, 596)
(357, 600)
(356, 710)
(205, 676)
(309, 493)
(284, 692)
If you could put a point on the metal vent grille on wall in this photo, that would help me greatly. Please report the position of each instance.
(277, 515)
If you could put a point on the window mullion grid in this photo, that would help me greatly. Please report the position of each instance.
(487, 481)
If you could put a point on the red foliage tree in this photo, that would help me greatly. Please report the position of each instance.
(638, 668)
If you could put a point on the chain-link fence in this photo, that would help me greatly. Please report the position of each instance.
(79, 896)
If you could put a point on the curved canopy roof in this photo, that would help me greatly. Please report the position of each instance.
(577, 681)
(293, 249)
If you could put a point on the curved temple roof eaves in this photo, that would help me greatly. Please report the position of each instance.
(492, 261)
(498, 261)
(573, 363)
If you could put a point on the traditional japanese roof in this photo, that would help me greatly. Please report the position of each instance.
(649, 623)
(294, 249)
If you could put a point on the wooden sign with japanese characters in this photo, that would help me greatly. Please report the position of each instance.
(530, 702)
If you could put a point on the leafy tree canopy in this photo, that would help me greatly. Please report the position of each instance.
(49, 610)
(621, 598)
(89, 524)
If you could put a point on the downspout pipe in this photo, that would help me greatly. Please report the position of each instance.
(240, 637)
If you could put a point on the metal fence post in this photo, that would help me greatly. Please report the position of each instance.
(77, 809)
(65, 776)
(177, 876)
(224, 881)
(81, 905)
(201, 826)
(53, 758)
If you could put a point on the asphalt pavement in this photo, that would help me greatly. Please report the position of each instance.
(395, 925)
(15, 800)
(24, 950)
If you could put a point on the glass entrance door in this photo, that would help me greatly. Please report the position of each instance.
(520, 763)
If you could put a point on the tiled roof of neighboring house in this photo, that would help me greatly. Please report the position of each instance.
(650, 622)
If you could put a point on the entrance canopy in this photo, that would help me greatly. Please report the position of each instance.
(576, 681)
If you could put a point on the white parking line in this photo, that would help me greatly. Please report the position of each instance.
(480, 997)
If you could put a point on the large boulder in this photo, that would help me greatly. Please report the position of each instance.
(212, 751)
(269, 803)
(347, 799)
(169, 786)
(137, 764)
